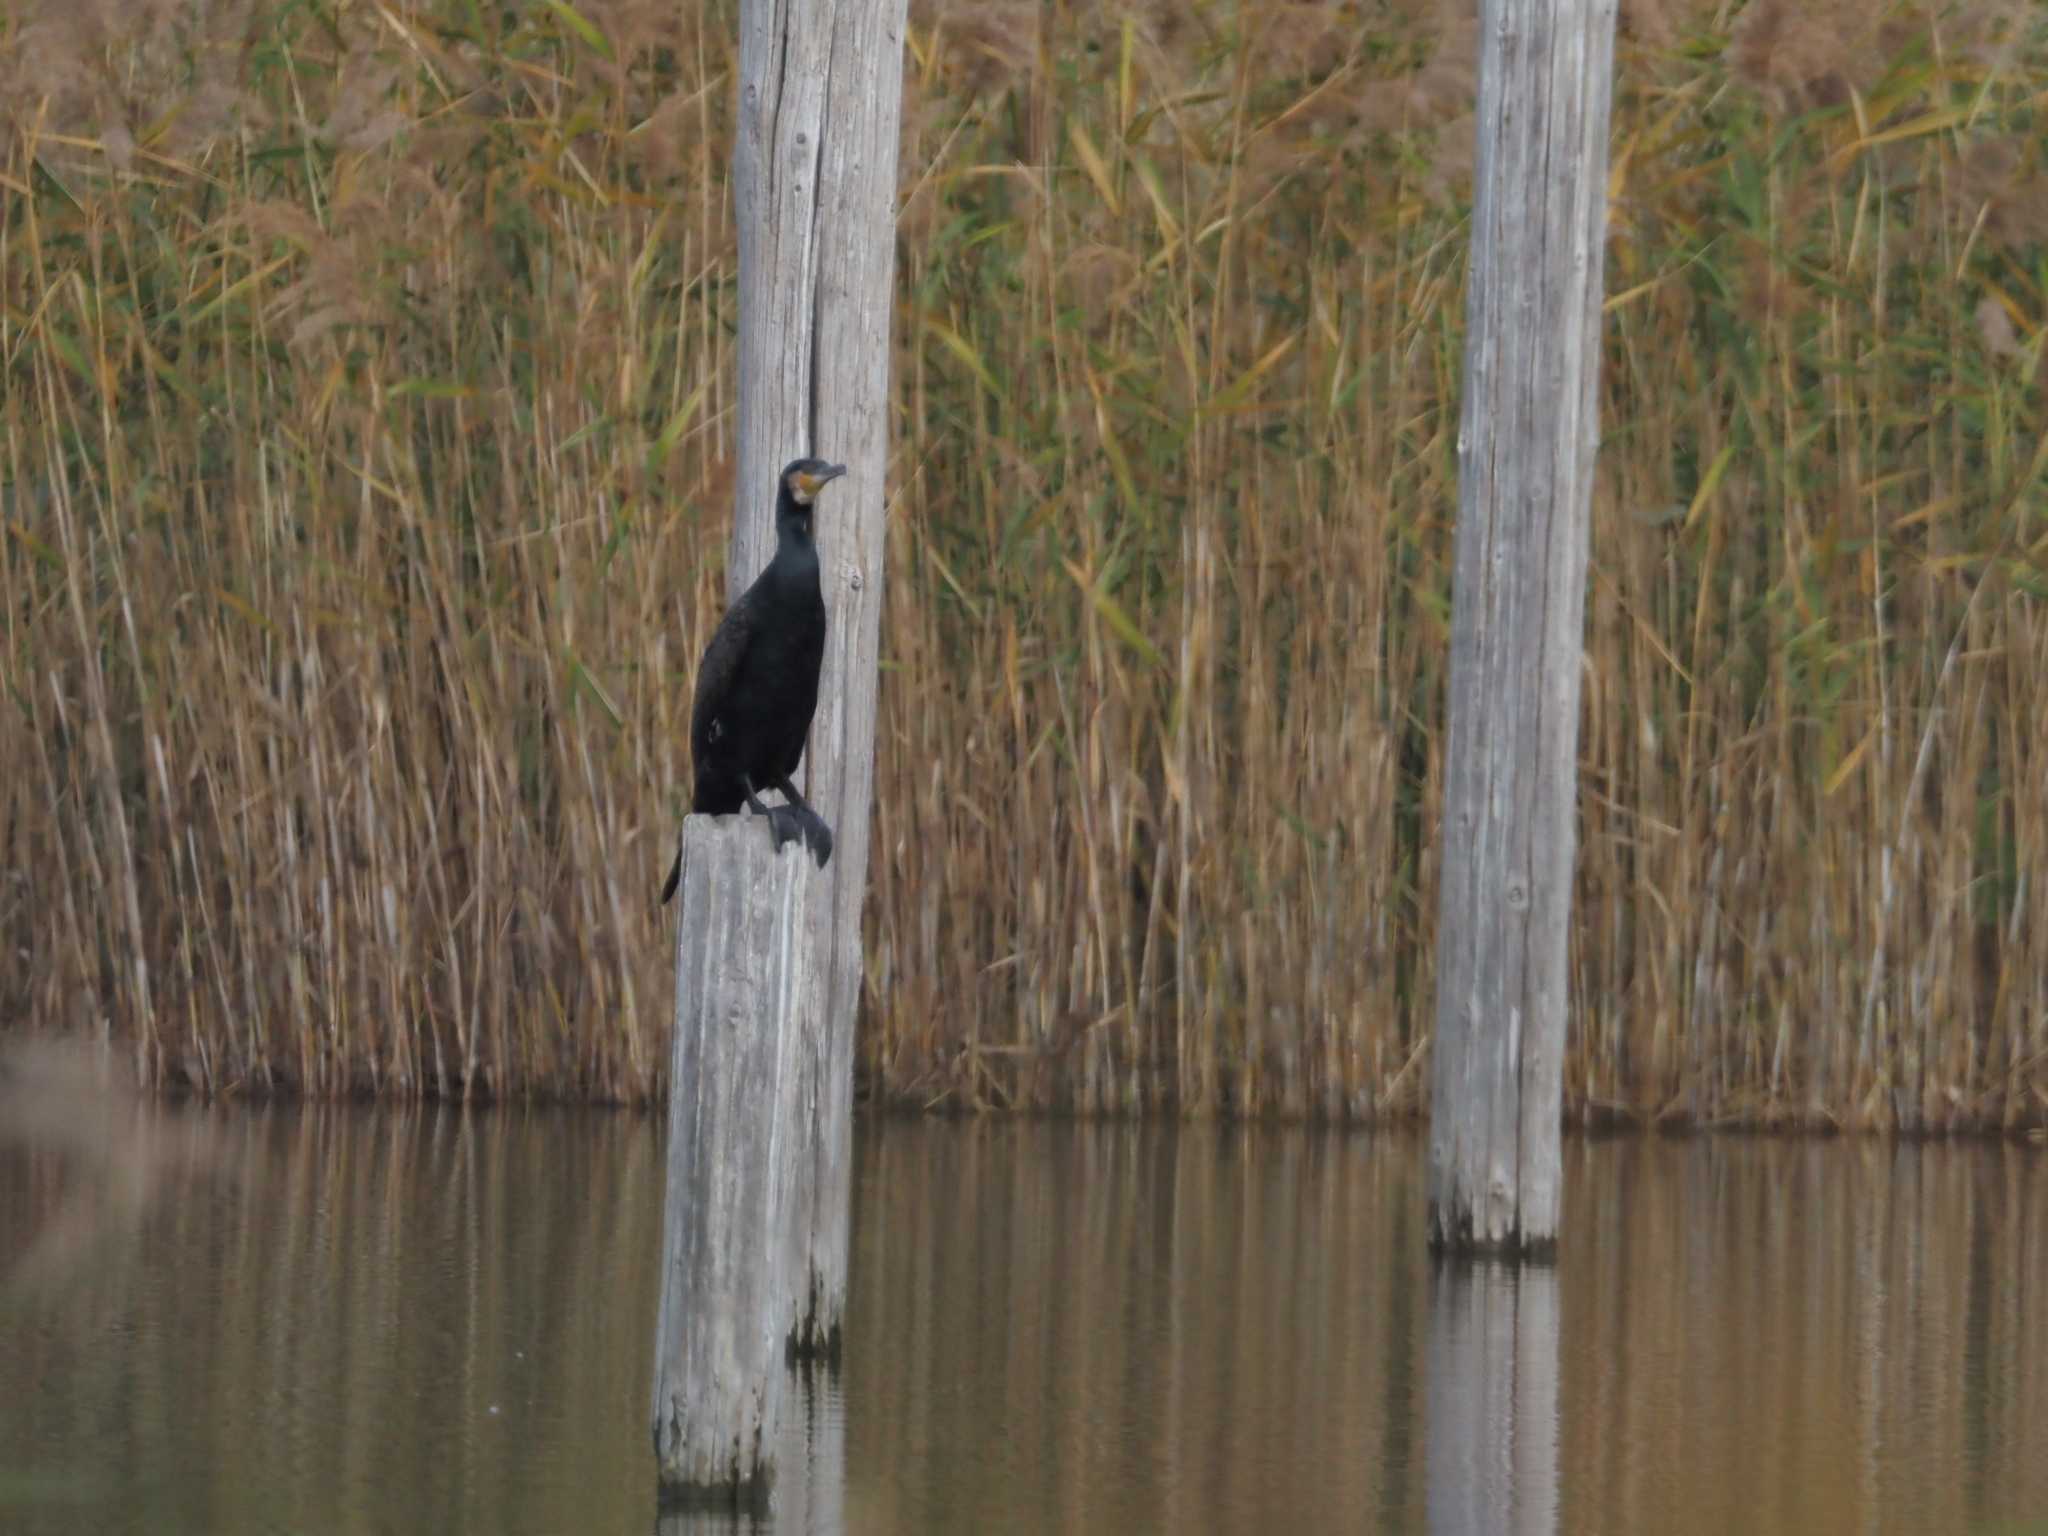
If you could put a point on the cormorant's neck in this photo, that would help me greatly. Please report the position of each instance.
(792, 522)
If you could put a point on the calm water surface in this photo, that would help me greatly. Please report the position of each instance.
(357, 1321)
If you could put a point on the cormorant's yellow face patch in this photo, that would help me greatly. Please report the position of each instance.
(804, 484)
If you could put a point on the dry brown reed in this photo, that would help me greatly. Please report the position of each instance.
(367, 376)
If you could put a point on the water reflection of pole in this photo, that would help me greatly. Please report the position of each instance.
(1492, 1398)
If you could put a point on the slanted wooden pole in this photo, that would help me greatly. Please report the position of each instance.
(1526, 443)
(740, 1143)
(814, 191)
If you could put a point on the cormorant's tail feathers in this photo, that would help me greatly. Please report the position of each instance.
(675, 875)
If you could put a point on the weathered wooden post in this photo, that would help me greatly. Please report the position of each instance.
(768, 966)
(809, 1456)
(814, 188)
(1527, 437)
(740, 1070)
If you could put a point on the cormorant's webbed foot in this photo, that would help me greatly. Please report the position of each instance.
(790, 822)
(817, 836)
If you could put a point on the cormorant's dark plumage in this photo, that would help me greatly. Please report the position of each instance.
(757, 686)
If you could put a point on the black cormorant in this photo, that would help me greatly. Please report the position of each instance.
(757, 686)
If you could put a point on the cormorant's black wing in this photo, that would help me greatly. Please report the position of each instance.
(720, 666)
(715, 675)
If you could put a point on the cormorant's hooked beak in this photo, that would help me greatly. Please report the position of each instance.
(829, 472)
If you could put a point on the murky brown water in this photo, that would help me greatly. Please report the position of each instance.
(349, 1321)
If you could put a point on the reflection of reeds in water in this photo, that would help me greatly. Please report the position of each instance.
(102, 1159)
(431, 1317)
(444, 1320)
(1841, 1335)
(1110, 1329)
(365, 506)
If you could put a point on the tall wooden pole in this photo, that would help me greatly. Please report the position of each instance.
(768, 965)
(1527, 437)
(814, 189)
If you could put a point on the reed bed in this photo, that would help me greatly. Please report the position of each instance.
(364, 460)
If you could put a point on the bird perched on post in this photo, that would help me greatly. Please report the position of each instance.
(757, 686)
